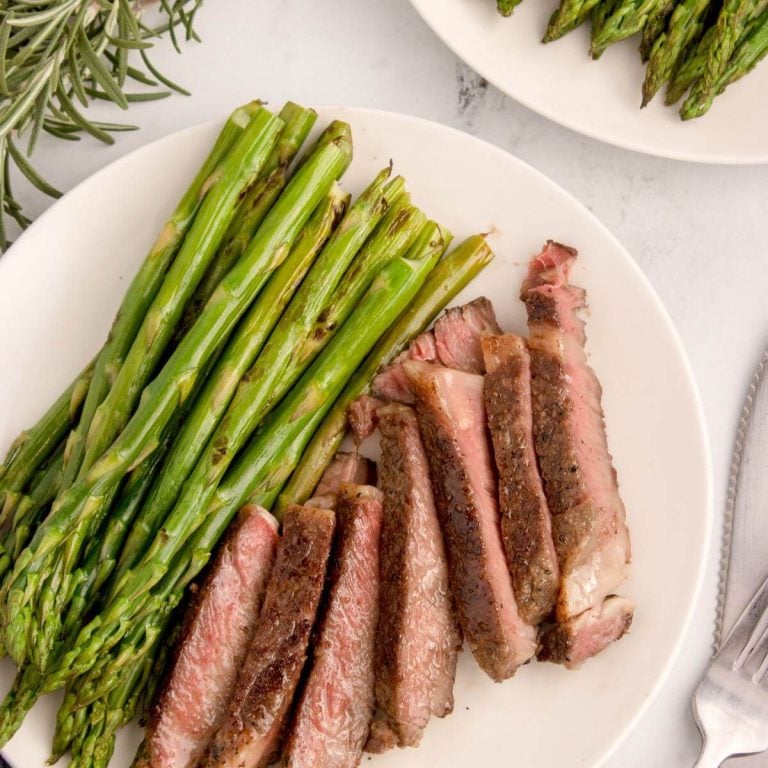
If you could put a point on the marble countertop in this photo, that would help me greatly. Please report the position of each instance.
(699, 232)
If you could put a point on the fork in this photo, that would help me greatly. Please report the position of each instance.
(731, 704)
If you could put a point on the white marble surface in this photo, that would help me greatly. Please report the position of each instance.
(699, 232)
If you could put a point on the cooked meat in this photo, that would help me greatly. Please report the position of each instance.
(334, 712)
(578, 639)
(580, 482)
(392, 383)
(418, 640)
(217, 629)
(458, 332)
(526, 525)
(249, 736)
(452, 422)
(345, 468)
(361, 416)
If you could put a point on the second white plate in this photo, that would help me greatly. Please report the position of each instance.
(62, 282)
(598, 98)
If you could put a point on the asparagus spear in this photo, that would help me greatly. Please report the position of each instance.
(264, 465)
(450, 276)
(686, 26)
(280, 363)
(569, 15)
(689, 70)
(18, 701)
(254, 206)
(626, 19)
(239, 167)
(220, 385)
(84, 500)
(655, 25)
(364, 215)
(29, 511)
(723, 65)
(33, 446)
(507, 7)
(600, 16)
(147, 281)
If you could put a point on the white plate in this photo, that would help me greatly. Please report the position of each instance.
(61, 283)
(598, 98)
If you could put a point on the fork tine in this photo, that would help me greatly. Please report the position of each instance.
(748, 630)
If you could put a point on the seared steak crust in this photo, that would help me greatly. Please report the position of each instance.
(580, 482)
(249, 737)
(334, 712)
(418, 638)
(464, 485)
(526, 525)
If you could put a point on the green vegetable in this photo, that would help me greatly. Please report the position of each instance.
(626, 18)
(655, 25)
(727, 60)
(452, 274)
(569, 15)
(220, 386)
(507, 7)
(685, 28)
(83, 503)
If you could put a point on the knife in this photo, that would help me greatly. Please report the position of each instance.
(744, 564)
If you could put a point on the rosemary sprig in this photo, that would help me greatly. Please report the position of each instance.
(56, 57)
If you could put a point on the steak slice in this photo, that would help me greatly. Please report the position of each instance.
(249, 736)
(344, 468)
(418, 639)
(392, 383)
(334, 712)
(578, 639)
(217, 629)
(458, 332)
(453, 426)
(362, 418)
(526, 525)
(589, 520)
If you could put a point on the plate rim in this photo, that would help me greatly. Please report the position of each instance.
(701, 429)
(466, 54)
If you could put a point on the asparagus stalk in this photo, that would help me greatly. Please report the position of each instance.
(626, 19)
(18, 701)
(727, 60)
(655, 25)
(280, 363)
(221, 384)
(686, 26)
(451, 275)
(238, 168)
(254, 206)
(33, 446)
(147, 281)
(569, 15)
(170, 389)
(689, 70)
(264, 465)
(507, 7)
(29, 512)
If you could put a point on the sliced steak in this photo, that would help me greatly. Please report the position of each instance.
(250, 734)
(578, 639)
(418, 639)
(361, 417)
(392, 383)
(526, 525)
(214, 639)
(334, 712)
(580, 482)
(344, 468)
(458, 332)
(452, 422)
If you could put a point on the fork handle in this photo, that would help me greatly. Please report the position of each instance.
(712, 755)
